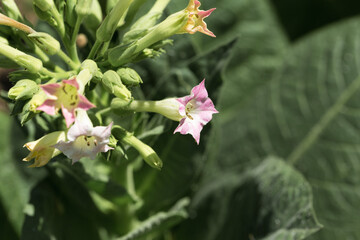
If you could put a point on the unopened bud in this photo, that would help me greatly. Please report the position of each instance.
(83, 7)
(129, 76)
(146, 152)
(46, 42)
(44, 5)
(33, 64)
(23, 89)
(112, 83)
(94, 17)
(90, 65)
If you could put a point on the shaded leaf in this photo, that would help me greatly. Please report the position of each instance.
(308, 114)
(271, 201)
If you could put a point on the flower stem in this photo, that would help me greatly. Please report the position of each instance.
(68, 61)
(94, 49)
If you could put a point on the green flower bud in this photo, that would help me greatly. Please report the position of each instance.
(110, 23)
(90, 65)
(31, 63)
(146, 152)
(83, 8)
(11, 9)
(129, 76)
(23, 89)
(46, 16)
(94, 18)
(45, 42)
(119, 104)
(70, 16)
(44, 5)
(112, 83)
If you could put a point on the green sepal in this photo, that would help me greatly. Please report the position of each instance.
(129, 76)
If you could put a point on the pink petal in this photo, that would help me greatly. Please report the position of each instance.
(49, 107)
(72, 82)
(205, 14)
(51, 89)
(188, 126)
(84, 103)
(69, 115)
(199, 92)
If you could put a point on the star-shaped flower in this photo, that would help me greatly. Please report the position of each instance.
(85, 140)
(197, 110)
(196, 19)
(64, 96)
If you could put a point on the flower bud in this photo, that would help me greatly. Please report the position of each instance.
(90, 65)
(94, 17)
(112, 83)
(119, 104)
(43, 149)
(146, 152)
(129, 76)
(83, 8)
(11, 9)
(33, 64)
(70, 16)
(44, 5)
(45, 42)
(23, 89)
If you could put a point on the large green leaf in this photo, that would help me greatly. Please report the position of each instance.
(271, 201)
(308, 114)
(15, 187)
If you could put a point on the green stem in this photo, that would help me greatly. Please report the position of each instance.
(68, 61)
(76, 30)
(46, 60)
(104, 48)
(99, 114)
(60, 22)
(94, 49)
(57, 75)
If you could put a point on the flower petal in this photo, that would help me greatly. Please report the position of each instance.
(69, 115)
(72, 82)
(102, 133)
(82, 127)
(188, 126)
(51, 89)
(84, 103)
(49, 107)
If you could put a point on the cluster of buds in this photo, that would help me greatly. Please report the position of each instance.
(104, 79)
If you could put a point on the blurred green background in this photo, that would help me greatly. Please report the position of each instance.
(280, 161)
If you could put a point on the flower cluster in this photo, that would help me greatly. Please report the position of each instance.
(104, 79)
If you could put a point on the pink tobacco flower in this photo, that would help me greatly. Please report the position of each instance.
(196, 111)
(64, 96)
(85, 140)
(196, 19)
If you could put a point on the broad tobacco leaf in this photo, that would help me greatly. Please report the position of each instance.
(308, 114)
(268, 202)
